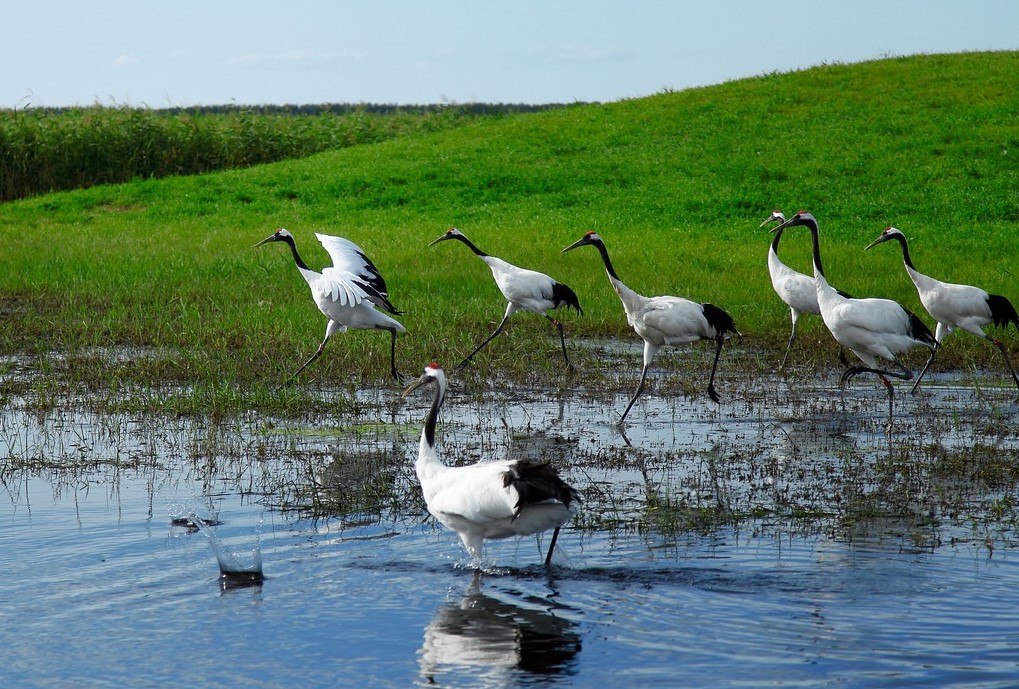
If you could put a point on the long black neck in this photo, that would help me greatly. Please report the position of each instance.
(775, 241)
(470, 245)
(812, 225)
(905, 250)
(297, 257)
(433, 415)
(605, 259)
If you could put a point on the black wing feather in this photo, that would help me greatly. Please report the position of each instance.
(537, 482)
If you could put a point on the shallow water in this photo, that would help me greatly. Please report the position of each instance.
(780, 538)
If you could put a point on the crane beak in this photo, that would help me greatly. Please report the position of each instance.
(788, 223)
(583, 241)
(270, 238)
(770, 219)
(417, 383)
(436, 241)
(879, 240)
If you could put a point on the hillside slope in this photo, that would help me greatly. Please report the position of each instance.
(676, 183)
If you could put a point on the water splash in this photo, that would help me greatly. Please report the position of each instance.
(234, 571)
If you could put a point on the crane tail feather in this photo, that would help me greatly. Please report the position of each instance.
(719, 319)
(1002, 311)
(562, 294)
(537, 482)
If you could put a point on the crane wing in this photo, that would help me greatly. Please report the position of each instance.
(340, 287)
(475, 492)
(676, 320)
(871, 315)
(350, 259)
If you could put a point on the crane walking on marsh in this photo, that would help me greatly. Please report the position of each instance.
(955, 306)
(870, 328)
(490, 499)
(347, 293)
(664, 320)
(795, 289)
(525, 290)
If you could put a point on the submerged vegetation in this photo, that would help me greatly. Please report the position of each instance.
(148, 299)
(804, 461)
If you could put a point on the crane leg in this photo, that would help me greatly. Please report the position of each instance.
(640, 388)
(902, 374)
(317, 354)
(331, 329)
(926, 366)
(551, 547)
(891, 397)
(392, 355)
(842, 357)
(491, 337)
(788, 347)
(562, 340)
(1004, 354)
(720, 340)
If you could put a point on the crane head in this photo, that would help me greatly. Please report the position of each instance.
(888, 234)
(433, 373)
(280, 235)
(451, 233)
(776, 216)
(801, 218)
(591, 238)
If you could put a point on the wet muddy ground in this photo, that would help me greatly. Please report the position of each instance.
(781, 537)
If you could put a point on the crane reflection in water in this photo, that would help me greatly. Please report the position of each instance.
(496, 638)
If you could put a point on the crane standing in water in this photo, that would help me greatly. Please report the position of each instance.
(490, 499)
(870, 328)
(795, 289)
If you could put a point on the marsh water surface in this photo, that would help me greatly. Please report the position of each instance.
(780, 538)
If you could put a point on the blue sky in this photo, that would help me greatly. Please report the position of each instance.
(191, 52)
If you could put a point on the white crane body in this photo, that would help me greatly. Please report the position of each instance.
(663, 320)
(955, 306)
(796, 290)
(347, 293)
(490, 499)
(523, 289)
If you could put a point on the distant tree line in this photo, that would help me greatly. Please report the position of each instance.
(54, 149)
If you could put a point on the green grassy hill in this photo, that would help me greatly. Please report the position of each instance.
(676, 184)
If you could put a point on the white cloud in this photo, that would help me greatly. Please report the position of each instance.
(125, 60)
(573, 53)
(251, 60)
(290, 58)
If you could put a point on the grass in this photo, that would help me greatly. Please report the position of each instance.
(46, 150)
(676, 183)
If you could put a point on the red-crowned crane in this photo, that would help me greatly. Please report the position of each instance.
(871, 328)
(664, 320)
(490, 499)
(346, 293)
(795, 289)
(955, 306)
(525, 290)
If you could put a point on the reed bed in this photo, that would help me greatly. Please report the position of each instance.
(44, 150)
